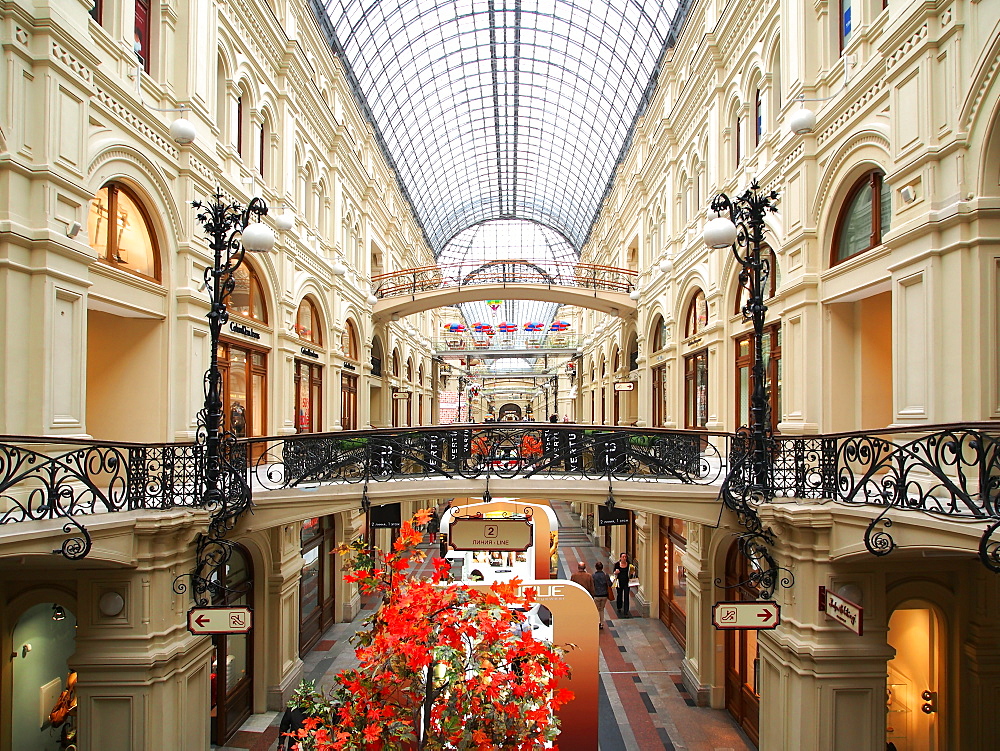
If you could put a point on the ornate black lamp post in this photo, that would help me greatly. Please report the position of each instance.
(232, 230)
(231, 234)
(743, 233)
(739, 226)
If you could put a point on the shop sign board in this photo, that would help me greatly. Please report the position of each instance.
(844, 612)
(401, 394)
(760, 614)
(624, 385)
(216, 620)
(505, 535)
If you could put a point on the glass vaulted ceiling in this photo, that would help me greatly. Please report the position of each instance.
(503, 109)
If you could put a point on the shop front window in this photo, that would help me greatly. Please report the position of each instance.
(696, 389)
(120, 232)
(244, 408)
(308, 396)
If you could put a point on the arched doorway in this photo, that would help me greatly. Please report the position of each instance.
(509, 411)
(742, 697)
(914, 677)
(232, 661)
(43, 641)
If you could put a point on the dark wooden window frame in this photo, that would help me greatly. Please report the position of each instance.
(873, 181)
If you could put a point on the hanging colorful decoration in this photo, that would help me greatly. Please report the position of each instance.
(534, 326)
(494, 304)
(454, 328)
(559, 326)
(507, 328)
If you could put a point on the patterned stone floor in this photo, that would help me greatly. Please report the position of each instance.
(643, 704)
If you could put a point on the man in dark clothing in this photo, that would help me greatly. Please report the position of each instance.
(602, 589)
(292, 721)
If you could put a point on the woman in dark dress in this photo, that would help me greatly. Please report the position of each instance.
(621, 574)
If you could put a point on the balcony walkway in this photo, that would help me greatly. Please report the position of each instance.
(640, 676)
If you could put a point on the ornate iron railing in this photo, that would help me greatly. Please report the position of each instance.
(52, 478)
(946, 471)
(521, 450)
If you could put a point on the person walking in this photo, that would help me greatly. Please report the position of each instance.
(602, 588)
(433, 526)
(622, 572)
(583, 578)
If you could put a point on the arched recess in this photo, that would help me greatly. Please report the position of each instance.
(660, 372)
(920, 634)
(989, 172)
(860, 329)
(126, 304)
(308, 407)
(350, 348)
(378, 393)
(28, 619)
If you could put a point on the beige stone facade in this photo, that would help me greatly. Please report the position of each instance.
(903, 333)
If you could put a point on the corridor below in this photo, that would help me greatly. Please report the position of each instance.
(643, 704)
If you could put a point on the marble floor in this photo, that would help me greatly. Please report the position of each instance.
(643, 704)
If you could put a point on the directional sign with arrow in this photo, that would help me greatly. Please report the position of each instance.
(763, 614)
(219, 620)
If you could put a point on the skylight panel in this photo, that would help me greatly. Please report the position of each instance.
(540, 137)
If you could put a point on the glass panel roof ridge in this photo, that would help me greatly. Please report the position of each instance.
(503, 109)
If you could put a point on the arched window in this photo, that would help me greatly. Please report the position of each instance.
(262, 138)
(307, 322)
(395, 362)
(247, 298)
(859, 227)
(739, 140)
(758, 114)
(120, 231)
(770, 287)
(659, 333)
(409, 371)
(349, 342)
(697, 314)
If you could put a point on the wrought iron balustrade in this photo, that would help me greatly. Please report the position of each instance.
(945, 471)
(519, 450)
(54, 478)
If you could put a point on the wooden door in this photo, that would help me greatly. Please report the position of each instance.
(742, 698)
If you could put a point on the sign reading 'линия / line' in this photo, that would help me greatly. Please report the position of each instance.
(504, 535)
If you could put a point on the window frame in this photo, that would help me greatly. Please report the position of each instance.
(111, 246)
(873, 181)
(143, 33)
(772, 365)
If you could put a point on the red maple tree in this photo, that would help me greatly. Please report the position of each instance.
(442, 665)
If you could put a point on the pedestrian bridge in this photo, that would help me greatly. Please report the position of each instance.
(408, 291)
(54, 490)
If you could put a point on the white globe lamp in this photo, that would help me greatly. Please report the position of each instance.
(720, 233)
(257, 237)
